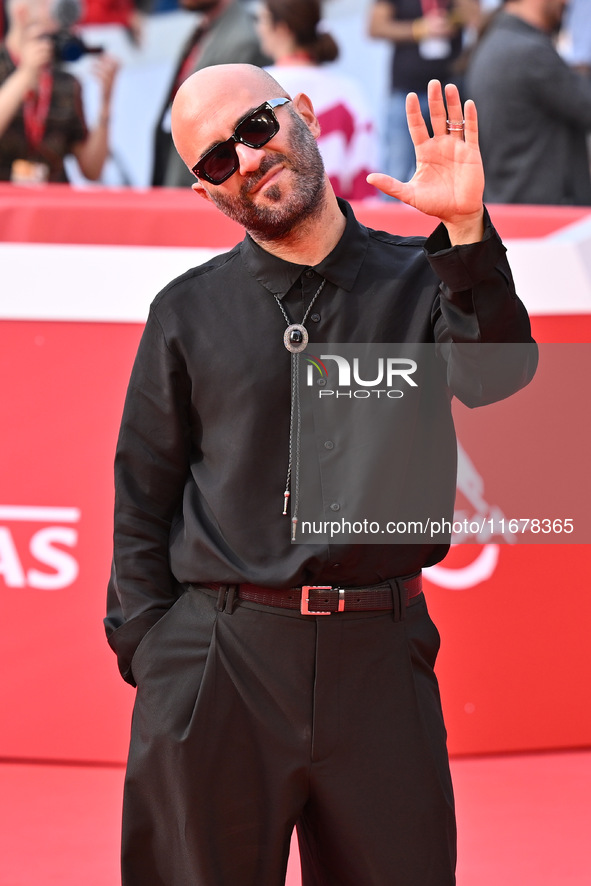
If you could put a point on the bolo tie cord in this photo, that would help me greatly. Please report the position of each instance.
(295, 340)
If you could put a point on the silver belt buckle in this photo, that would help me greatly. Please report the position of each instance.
(305, 599)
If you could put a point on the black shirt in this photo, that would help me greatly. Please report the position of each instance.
(202, 452)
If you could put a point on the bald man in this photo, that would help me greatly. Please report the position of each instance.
(255, 712)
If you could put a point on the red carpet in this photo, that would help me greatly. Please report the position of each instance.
(523, 821)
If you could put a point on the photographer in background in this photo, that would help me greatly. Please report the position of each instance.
(41, 115)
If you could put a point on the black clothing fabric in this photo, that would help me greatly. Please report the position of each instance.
(410, 71)
(534, 116)
(250, 720)
(202, 452)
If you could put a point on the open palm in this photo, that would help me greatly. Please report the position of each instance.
(449, 178)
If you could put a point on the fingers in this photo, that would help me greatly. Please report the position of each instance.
(416, 124)
(105, 69)
(455, 116)
(437, 110)
(36, 53)
(385, 183)
(471, 117)
(446, 114)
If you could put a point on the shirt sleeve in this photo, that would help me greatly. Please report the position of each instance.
(480, 325)
(151, 466)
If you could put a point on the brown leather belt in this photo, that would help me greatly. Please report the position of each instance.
(326, 599)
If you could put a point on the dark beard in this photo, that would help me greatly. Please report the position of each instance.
(271, 223)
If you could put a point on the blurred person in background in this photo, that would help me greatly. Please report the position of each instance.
(428, 36)
(41, 115)
(291, 32)
(535, 109)
(225, 34)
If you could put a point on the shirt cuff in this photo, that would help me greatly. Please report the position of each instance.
(462, 267)
(125, 639)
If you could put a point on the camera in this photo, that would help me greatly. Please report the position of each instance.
(68, 46)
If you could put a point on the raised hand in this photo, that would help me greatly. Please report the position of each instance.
(105, 69)
(36, 54)
(449, 178)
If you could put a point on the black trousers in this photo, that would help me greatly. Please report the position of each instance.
(250, 721)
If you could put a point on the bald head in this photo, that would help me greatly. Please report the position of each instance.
(212, 100)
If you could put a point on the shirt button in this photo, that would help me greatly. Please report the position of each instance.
(309, 273)
(315, 317)
(335, 565)
(329, 444)
(335, 506)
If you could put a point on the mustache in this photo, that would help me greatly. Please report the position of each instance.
(267, 163)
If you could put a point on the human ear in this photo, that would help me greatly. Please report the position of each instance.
(200, 191)
(305, 109)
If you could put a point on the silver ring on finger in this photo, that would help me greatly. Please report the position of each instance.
(456, 125)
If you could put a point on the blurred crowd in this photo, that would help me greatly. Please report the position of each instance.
(85, 97)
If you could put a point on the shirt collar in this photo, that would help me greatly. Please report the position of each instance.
(341, 266)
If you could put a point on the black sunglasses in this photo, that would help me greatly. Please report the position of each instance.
(254, 131)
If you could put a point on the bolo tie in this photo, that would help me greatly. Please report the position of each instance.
(295, 339)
